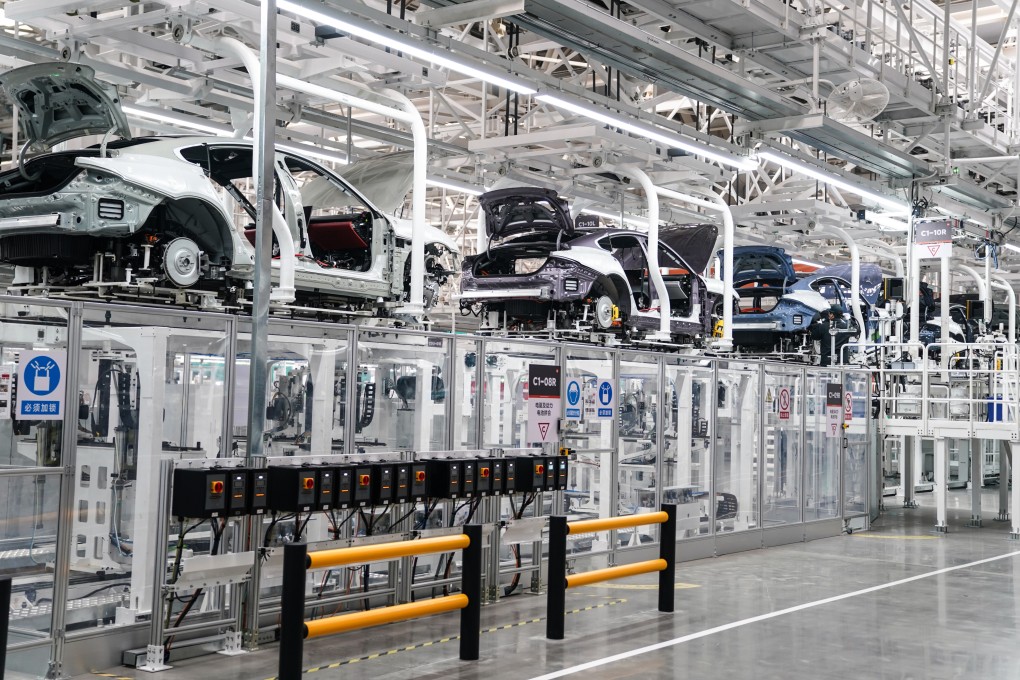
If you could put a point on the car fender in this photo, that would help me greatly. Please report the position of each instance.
(165, 176)
(403, 228)
(808, 298)
(592, 258)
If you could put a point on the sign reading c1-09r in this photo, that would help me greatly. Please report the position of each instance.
(543, 403)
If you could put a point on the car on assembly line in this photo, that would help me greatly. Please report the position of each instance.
(539, 271)
(174, 217)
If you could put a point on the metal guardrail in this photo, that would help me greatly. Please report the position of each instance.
(559, 581)
(294, 630)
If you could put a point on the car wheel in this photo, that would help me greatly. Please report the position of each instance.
(604, 312)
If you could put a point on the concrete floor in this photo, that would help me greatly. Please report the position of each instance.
(963, 623)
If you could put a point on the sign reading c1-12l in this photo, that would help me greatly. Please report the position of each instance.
(41, 385)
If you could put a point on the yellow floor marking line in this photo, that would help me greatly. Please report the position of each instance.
(110, 675)
(422, 645)
(894, 537)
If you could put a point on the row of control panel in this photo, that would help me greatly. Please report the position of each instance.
(223, 492)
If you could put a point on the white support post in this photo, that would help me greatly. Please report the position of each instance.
(944, 285)
(1014, 498)
(1005, 465)
(652, 196)
(911, 446)
(1000, 282)
(941, 483)
(976, 479)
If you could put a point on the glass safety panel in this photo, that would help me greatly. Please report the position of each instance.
(737, 439)
(589, 417)
(466, 402)
(823, 439)
(784, 419)
(688, 430)
(857, 421)
(504, 409)
(637, 472)
(306, 389)
(152, 388)
(407, 376)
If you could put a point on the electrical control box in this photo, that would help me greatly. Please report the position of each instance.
(364, 474)
(258, 491)
(419, 489)
(327, 488)
(402, 483)
(531, 474)
(498, 474)
(200, 494)
(237, 492)
(483, 477)
(562, 471)
(469, 478)
(343, 488)
(509, 475)
(384, 484)
(551, 469)
(444, 478)
(293, 489)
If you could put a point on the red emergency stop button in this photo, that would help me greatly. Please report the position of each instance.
(485, 472)
(540, 469)
(419, 476)
(308, 483)
(364, 480)
(216, 487)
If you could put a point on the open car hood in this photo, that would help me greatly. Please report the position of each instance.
(384, 181)
(695, 243)
(764, 265)
(523, 209)
(59, 101)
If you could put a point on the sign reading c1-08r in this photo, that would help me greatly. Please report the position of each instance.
(543, 403)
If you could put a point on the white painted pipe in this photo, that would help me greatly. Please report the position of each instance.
(284, 291)
(982, 284)
(945, 282)
(416, 298)
(855, 276)
(652, 196)
(988, 285)
(983, 159)
(913, 284)
(716, 203)
(998, 281)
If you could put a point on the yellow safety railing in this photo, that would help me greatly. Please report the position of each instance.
(294, 630)
(559, 581)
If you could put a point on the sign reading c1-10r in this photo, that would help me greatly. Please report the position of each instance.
(934, 238)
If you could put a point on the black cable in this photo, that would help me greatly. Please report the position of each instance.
(217, 535)
(99, 590)
(301, 530)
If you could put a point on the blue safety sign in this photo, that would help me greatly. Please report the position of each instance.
(605, 395)
(572, 408)
(41, 385)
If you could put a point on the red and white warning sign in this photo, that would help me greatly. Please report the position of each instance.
(833, 409)
(848, 407)
(935, 250)
(784, 403)
(543, 403)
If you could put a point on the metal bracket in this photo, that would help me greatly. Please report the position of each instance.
(154, 655)
(465, 12)
(233, 644)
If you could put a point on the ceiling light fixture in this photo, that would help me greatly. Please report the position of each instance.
(393, 41)
(832, 179)
(162, 117)
(450, 186)
(294, 147)
(649, 132)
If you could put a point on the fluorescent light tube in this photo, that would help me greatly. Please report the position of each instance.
(391, 40)
(650, 133)
(159, 116)
(1010, 246)
(830, 178)
(460, 188)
